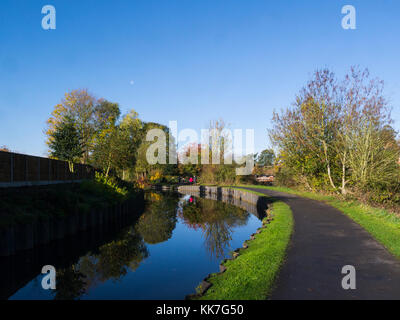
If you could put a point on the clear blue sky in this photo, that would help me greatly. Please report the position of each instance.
(190, 61)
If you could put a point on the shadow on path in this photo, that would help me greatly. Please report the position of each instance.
(323, 241)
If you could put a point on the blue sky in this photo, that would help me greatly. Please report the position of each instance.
(191, 61)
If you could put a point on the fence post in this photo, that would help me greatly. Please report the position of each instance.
(26, 168)
(11, 168)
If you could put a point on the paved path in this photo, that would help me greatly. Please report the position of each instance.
(323, 241)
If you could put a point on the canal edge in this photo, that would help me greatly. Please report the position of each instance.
(243, 196)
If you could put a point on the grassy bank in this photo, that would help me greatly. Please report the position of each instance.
(251, 275)
(381, 224)
(28, 204)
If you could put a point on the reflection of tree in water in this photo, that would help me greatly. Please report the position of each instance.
(115, 259)
(70, 284)
(119, 256)
(159, 219)
(110, 262)
(216, 219)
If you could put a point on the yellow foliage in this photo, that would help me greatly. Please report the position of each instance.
(156, 176)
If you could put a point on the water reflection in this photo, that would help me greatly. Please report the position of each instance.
(162, 253)
(216, 219)
(159, 220)
(111, 261)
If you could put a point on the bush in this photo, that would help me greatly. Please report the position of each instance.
(109, 188)
(285, 177)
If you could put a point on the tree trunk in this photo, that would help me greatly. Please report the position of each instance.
(328, 166)
(343, 188)
(71, 166)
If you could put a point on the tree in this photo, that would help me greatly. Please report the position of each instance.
(131, 136)
(108, 142)
(78, 105)
(338, 133)
(143, 168)
(266, 158)
(187, 168)
(66, 143)
(105, 114)
(107, 149)
(218, 149)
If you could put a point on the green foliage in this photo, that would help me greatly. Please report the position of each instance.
(78, 105)
(143, 168)
(225, 174)
(285, 176)
(66, 143)
(265, 158)
(107, 187)
(105, 115)
(337, 137)
(83, 128)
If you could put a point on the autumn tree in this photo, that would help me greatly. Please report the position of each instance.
(108, 142)
(80, 106)
(338, 133)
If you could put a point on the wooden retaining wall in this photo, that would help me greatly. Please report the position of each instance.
(26, 236)
(18, 170)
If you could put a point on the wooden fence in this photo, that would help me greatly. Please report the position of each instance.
(17, 170)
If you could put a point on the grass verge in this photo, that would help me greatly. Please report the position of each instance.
(381, 224)
(251, 275)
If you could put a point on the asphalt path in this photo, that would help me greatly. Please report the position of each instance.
(325, 240)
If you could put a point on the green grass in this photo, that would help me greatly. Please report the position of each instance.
(251, 275)
(381, 224)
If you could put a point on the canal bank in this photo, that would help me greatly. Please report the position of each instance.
(252, 270)
(34, 216)
(26, 236)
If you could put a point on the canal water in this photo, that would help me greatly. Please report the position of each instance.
(163, 253)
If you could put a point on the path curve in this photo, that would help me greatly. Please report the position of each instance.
(323, 241)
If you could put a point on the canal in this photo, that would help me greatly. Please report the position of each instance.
(162, 253)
